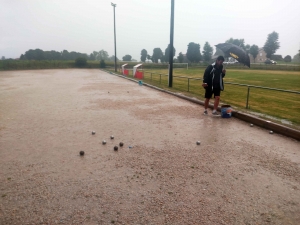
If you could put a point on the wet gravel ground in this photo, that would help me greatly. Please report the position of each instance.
(237, 175)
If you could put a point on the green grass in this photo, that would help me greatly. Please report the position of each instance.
(277, 104)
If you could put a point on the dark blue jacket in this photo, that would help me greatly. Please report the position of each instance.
(213, 76)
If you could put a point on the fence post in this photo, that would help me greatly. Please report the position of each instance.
(151, 76)
(188, 84)
(160, 78)
(248, 97)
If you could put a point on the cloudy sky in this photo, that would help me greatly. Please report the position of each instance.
(87, 25)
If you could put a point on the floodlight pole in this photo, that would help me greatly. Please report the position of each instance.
(114, 5)
(171, 45)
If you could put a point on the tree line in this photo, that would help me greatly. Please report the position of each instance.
(38, 54)
(193, 53)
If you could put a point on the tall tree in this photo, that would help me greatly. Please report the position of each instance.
(207, 52)
(271, 44)
(127, 58)
(102, 55)
(254, 51)
(65, 55)
(238, 42)
(288, 58)
(193, 52)
(149, 58)
(163, 59)
(167, 53)
(3, 58)
(180, 57)
(144, 54)
(247, 48)
(157, 54)
(92, 57)
(296, 58)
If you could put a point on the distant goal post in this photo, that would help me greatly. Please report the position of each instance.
(180, 66)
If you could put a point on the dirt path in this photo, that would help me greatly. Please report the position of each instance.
(238, 175)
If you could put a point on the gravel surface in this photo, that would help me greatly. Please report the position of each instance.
(238, 175)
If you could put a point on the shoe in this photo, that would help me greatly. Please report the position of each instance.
(205, 112)
(215, 113)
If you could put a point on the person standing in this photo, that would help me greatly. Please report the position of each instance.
(213, 83)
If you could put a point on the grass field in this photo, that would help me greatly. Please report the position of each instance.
(281, 105)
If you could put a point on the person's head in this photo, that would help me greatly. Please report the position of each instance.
(219, 60)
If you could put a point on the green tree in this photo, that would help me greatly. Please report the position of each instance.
(238, 42)
(22, 57)
(167, 53)
(247, 48)
(92, 57)
(102, 63)
(149, 57)
(180, 57)
(144, 54)
(288, 58)
(254, 51)
(80, 62)
(207, 52)
(157, 54)
(271, 44)
(163, 59)
(2, 58)
(65, 55)
(127, 58)
(296, 58)
(102, 54)
(193, 52)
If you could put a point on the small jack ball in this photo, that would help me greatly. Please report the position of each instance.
(81, 153)
(251, 125)
(121, 144)
(112, 137)
(116, 148)
(93, 132)
(271, 132)
(103, 142)
(198, 142)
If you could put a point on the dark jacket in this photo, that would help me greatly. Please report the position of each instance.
(213, 76)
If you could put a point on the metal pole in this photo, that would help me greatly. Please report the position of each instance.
(247, 97)
(171, 45)
(114, 5)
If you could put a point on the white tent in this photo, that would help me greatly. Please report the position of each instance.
(136, 72)
(124, 71)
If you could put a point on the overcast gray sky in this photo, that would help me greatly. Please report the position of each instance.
(87, 25)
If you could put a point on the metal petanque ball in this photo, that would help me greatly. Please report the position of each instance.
(103, 142)
(271, 132)
(93, 132)
(251, 125)
(116, 148)
(121, 144)
(112, 137)
(81, 153)
(198, 142)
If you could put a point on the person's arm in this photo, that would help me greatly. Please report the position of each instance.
(206, 74)
(223, 73)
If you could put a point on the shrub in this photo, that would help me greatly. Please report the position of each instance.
(102, 64)
(80, 62)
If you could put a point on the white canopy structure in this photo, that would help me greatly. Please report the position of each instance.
(124, 70)
(136, 72)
